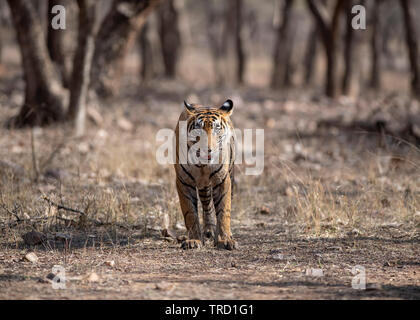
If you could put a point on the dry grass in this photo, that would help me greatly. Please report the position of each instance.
(318, 184)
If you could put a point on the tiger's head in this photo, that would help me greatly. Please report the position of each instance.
(211, 126)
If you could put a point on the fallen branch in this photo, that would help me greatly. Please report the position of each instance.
(61, 207)
(94, 221)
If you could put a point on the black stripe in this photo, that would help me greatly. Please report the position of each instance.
(206, 202)
(193, 200)
(215, 172)
(217, 186)
(186, 184)
(185, 170)
(218, 202)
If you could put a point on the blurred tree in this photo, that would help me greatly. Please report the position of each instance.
(376, 46)
(79, 85)
(412, 45)
(349, 57)
(283, 49)
(116, 36)
(233, 36)
(170, 37)
(146, 54)
(55, 40)
(216, 41)
(329, 25)
(44, 96)
(311, 54)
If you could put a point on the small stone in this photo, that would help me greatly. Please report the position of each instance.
(314, 272)
(264, 210)
(93, 277)
(124, 124)
(278, 256)
(110, 263)
(31, 257)
(165, 286)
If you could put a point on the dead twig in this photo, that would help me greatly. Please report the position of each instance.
(61, 207)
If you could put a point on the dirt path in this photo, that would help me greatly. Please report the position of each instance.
(270, 264)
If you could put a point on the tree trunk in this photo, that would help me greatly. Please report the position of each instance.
(216, 40)
(44, 100)
(147, 59)
(282, 49)
(330, 32)
(170, 37)
(116, 36)
(240, 55)
(55, 40)
(82, 65)
(376, 47)
(311, 54)
(232, 42)
(349, 56)
(412, 45)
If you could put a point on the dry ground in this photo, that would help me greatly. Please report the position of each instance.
(331, 197)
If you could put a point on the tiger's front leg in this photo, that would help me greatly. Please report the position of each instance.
(222, 197)
(188, 200)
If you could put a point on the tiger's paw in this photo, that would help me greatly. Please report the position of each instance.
(191, 244)
(227, 244)
(209, 232)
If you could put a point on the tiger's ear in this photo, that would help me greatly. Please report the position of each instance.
(190, 108)
(227, 107)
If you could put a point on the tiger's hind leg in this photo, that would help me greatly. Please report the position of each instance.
(188, 200)
(209, 213)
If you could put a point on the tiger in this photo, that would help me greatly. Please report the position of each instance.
(211, 175)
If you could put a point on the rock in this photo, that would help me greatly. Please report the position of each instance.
(31, 257)
(278, 256)
(33, 238)
(165, 286)
(110, 263)
(124, 124)
(314, 272)
(93, 277)
(264, 210)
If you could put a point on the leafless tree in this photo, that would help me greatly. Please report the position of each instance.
(55, 40)
(329, 25)
(412, 44)
(233, 37)
(146, 54)
(44, 96)
(170, 37)
(282, 50)
(116, 35)
(82, 64)
(376, 44)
